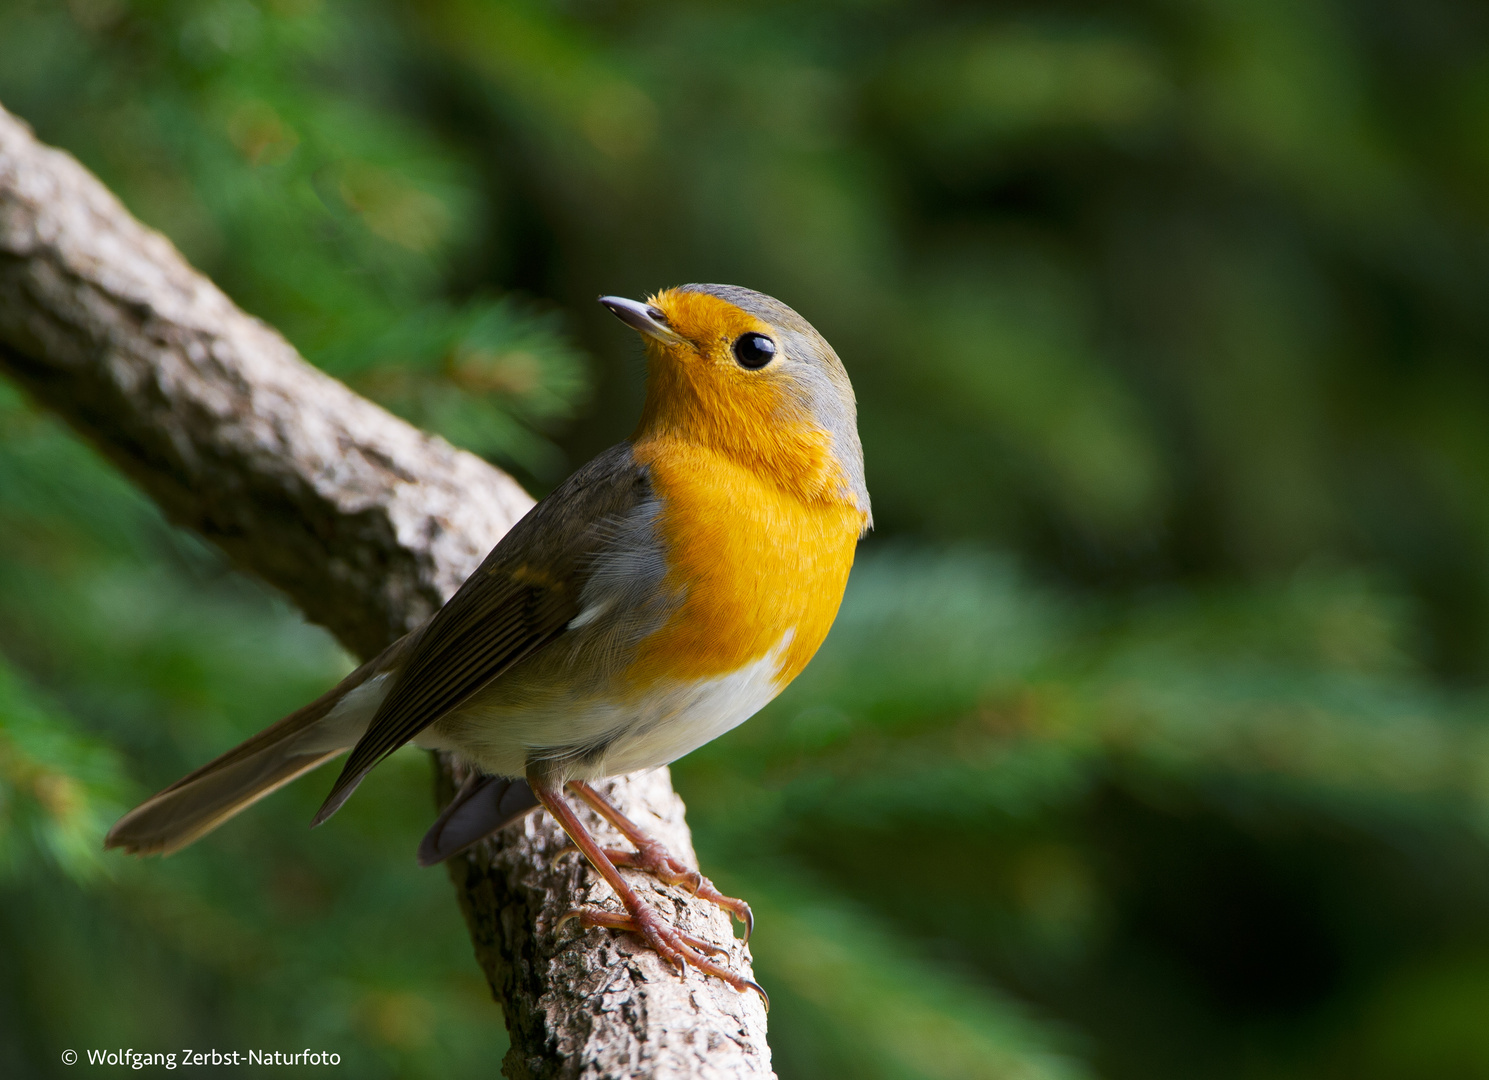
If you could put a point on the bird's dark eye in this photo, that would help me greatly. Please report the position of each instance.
(753, 350)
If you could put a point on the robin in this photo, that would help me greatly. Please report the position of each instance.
(660, 596)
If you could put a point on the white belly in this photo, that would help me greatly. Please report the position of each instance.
(603, 737)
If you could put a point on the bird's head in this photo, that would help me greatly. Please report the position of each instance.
(741, 373)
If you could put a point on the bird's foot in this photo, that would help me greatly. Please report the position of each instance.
(677, 948)
(591, 917)
(672, 945)
(653, 858)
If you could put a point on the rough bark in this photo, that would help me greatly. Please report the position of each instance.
(368, 525)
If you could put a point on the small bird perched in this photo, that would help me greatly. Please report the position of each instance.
(660, 596)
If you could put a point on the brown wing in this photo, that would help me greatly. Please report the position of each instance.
(522, 597)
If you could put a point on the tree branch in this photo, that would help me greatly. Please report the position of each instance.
(368, 525)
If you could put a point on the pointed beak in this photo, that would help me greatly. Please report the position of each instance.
(643, 318)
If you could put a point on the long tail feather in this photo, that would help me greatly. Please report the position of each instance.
(308, 737)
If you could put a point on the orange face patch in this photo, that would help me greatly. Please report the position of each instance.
(699, 393)
(758, 525)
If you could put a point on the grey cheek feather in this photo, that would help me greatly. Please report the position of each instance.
(822, 386)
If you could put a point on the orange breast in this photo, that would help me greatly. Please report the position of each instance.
(754, 563)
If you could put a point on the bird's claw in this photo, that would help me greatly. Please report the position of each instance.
(677, 948)
(654, 859)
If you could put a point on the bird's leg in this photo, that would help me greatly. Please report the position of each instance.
(641, 918)
(654, 858)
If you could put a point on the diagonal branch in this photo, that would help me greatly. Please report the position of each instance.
(368, 525)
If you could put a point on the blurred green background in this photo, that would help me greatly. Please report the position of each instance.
(1152, 739)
